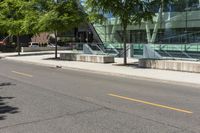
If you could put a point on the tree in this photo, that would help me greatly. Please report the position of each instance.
(17, 18)
(128, 12)
(60, 17)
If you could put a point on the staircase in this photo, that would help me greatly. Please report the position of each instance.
(92, 49)
(101, 32)
(172, 51)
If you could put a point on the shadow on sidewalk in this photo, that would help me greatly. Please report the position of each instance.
(5, 108)
(134, 65)
(53, 58)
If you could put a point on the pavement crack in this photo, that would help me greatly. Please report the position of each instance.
(155, 121)
(55, 117)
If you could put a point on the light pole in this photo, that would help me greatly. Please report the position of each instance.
(186, 23)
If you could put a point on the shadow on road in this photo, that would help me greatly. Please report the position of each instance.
(5, 108)
(5, 84)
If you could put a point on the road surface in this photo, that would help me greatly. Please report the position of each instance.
(38, 99)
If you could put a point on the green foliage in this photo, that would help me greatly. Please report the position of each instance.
(11, 16)
(128, 11)
(60, 16)
(17, 17)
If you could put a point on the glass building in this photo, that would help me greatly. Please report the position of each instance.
(178, 24)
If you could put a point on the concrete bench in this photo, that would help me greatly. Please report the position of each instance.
(95, 58)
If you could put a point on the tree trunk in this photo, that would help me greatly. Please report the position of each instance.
(124, 40)
(18, 45)
(56, 46)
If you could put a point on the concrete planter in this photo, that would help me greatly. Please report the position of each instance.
(35, 49)
(95, 58)
(187, 66)
(87, 58)
(68, 56)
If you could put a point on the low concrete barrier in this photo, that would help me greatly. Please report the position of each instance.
(187, 66)
(87, 58)
(35, 49)
(95, 58)
(68, 56)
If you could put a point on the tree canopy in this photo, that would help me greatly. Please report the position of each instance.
(60, 16)
(127, 11)
(21, 17)
(15, 18)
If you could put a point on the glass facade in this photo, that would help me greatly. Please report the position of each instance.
(178, 24)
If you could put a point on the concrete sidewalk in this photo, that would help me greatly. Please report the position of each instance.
(111, 69)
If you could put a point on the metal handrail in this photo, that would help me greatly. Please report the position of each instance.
(122, 53)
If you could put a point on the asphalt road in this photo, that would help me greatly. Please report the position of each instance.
(38, 99)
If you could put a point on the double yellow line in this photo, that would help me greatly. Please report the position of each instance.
(150, 103)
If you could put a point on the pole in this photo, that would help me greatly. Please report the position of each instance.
(56, 47)
(18, 45)
(186, 26)
(124, 39)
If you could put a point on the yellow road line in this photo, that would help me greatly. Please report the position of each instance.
(152, 104)
(23, 74)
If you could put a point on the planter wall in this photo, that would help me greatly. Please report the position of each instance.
(68, 56)
(87, 58)
(187, 66)
(95, 58)
(35, 49)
